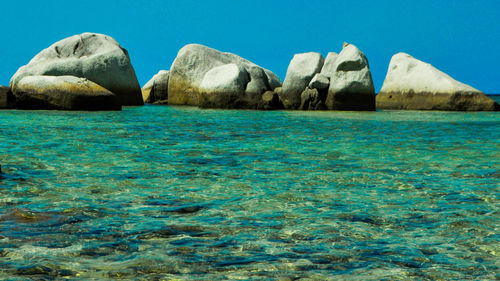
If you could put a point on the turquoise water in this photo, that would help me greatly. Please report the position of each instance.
(160, 192)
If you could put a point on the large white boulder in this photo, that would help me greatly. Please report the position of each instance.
(192, 64)
(416, 85)
(223, 86)
(63, 93)
(351, 84)
(225, 78)
(156, 89)
(301, 70)
(97, 57)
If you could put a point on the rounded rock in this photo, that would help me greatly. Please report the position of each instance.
(96, 57)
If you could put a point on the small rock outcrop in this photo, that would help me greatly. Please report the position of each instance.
(270, 101)
(313, 99)
(416, 85)
(6, 98)
(319, 82)
(197, 78)
(156, 90)
(301, 70)
(96, 57)
(63, 93)
(351, 84)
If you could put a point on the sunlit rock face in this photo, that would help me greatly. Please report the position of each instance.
(416, 85)
(300, 72)
(198, 77)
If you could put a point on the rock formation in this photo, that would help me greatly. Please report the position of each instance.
(156, 90)
(96, 57)
(301, 70)
(351, 85)
(197, 66)
(416, 85)
(63, 93)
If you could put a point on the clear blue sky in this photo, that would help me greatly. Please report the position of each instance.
(462, 38)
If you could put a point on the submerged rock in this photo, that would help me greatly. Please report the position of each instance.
(416, 85)
(301, 70)
(194, 62)
(63, 93)
(156, 90)
(6, 98)
(351, 84)
(96, 57)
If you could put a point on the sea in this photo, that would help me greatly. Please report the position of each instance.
(181, 193)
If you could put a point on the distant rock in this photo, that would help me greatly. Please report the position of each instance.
(329, 66)
(351, 85)
(416, 85)
(63, 93)
(97, 57)
(156, 90)
(301, 70)
(194, 61)
(6, 98)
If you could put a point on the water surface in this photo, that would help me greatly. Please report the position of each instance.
(159, 192)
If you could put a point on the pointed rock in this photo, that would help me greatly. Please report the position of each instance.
(351, 85)
(416, 85)
(301, 70)
(96, 57)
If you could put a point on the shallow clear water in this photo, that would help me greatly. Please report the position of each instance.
(161, 192)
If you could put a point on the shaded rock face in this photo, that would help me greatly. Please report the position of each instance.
(96, 57)
(270, 101)
(6, 98)
(416, 85)
(313, 99)
(301, 70)
(351, 84)
(63, 93)
(194, 62)
(156, 90)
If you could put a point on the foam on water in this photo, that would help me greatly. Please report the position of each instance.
(178, 192)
